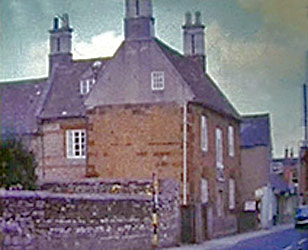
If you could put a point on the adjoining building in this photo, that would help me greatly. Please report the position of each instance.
(256, 156)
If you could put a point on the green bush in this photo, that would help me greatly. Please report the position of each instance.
(17, 165)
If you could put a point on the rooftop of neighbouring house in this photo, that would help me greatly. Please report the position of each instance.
(255, 131)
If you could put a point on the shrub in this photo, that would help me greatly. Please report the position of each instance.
(17, 165)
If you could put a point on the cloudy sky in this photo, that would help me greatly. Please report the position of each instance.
(255, 48)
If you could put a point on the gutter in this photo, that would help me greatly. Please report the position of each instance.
(185, 154)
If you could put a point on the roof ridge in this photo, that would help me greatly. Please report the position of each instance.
(92, 59)
(23, 81)
(258, 115)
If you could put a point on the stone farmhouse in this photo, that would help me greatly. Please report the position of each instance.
(147, 109)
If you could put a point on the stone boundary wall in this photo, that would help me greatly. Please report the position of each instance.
(46, 220)
(100, 186)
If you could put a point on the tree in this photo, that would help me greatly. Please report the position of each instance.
(17, 165)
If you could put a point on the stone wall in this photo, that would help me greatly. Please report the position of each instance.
(53, 160)
(100, 186)
(46, 220)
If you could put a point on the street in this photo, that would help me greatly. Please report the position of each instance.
(282, 237)
(290, 239)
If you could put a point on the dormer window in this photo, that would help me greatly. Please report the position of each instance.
(158, 80)
(86, 85)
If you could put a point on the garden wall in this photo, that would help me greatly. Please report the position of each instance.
(89, 220)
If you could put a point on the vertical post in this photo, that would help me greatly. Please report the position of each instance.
(305, 111)
(155, 211)
(185, 154)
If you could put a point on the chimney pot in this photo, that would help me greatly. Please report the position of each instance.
(188, 19)
(198, 18)
(55, 23)
(65, 21)
(286, 153)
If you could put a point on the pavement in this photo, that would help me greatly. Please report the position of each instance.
(230, 241)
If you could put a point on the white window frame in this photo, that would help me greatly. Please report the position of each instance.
(204, 134)
(219, 148)
(231, 140)
(204, 190)
(85, 85)
(231, 194)
(76, 144)
(157, 80)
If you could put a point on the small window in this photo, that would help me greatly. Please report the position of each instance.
(86, 85)
(158, 80)
(204, 134)
(204, 191)
(231, 194)
(219, 149)
(76, 144)
(231, 140)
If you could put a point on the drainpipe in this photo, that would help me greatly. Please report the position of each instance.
(185, 154)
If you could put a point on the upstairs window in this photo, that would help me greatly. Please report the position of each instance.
(76, 144)
(231, 140)
(204, 134)
(158, 80)
(219, 149)
(86, 85)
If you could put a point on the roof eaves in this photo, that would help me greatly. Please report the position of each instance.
(213, 108)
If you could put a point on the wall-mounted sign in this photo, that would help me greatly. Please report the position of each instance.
(250, 206)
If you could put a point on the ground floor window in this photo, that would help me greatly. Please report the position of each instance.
(220, 204)
(76, 144)
(231, 194)
(204, 191)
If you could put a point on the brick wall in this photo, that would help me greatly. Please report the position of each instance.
(203, 165)
(134, 141)
(45, 220)
(255, 170)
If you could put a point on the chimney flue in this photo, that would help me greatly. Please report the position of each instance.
(65, 21)
(286, 153)
(56, 23)
(198, 18)
(188, 19)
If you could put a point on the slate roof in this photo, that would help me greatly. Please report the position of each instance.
(22, 102)
(19, 105)
(278, 183)
(123, 83)
(286, 162)
(63, 98)
(255, 131)
(203, 87)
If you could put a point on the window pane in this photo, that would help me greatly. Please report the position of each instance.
(158, 80)
(219, 149)
(76, 143)
(204, 139)
(231, 194)
(231, 140)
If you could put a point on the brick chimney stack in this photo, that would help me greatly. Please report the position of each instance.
(60, 42)
(193, 43)
(139, 21)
